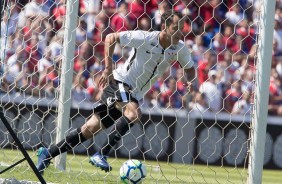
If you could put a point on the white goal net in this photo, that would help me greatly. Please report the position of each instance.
(198, 137)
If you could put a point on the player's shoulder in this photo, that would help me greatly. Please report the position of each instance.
(182, 46)
(148, 35)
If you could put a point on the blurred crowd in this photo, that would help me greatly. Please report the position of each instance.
(221, 34)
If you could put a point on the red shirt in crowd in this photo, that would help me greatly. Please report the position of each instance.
(203, 70)
(119, 23)
(139, 8)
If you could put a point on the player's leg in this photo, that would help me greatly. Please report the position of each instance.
(74, 138)
(130, 114)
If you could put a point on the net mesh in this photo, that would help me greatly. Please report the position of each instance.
(221, 36)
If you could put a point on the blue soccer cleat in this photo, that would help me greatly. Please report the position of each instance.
(100, 161)
(44, 159)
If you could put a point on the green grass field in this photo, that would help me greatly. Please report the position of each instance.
(80, 171)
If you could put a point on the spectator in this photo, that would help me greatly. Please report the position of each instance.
(120, 21)
(32, 10)
(81, 31)
(35, 53)
(277, 36)
(144, 23)
(186, 7)
(232, 95)
(278, 66)
(156, 15)
(248, 79)
(58, 15)
(43, 65)
(198, 49)
(31, 85)
(206, 12)
(172, 97)
(109, 7)
(229, 67)
(14, 70)
(205, 65)
(218, 44)
(247, 34)
(199, 103)
(79, 92)
(85, 52)
(92, 9)
(275, 99)
(212, 91)
(100, 32)
(10, 21)
(235, 15)
(45, 62)
(229, 39)
(56, 45)
(243, 105)
(140, 8)
(208, 35)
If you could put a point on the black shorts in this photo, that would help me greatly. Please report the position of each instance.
(116, 91)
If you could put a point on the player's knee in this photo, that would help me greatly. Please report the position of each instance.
(133, 115)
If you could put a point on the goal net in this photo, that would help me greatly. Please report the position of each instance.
(198, 137)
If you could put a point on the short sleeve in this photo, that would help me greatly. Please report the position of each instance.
(132, 38)
(184, 58)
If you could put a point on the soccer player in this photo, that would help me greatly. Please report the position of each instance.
(151, 54)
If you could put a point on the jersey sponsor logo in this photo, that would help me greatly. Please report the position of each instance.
(125, 36)
(111, 100)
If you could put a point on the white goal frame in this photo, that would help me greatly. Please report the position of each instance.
(259, 121)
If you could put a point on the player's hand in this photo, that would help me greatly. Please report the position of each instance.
(105, 78)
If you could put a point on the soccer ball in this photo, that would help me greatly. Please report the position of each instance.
(132, 172)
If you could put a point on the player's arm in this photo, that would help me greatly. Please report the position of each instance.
(110, 43)
(190, 74)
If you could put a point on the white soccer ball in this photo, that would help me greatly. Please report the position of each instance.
(132, 172)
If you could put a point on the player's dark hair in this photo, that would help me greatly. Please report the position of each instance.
(167, 17)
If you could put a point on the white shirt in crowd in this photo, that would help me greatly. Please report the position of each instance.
(43, 64)
(241, 107)
(213, 93)
(12, 69)
(32, 9)
(234, 17)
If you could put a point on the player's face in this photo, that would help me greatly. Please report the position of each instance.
(174, 30)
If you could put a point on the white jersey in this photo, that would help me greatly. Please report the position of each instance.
(148, 60)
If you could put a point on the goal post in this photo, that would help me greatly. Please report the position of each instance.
(68, 55)
(261, 99)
